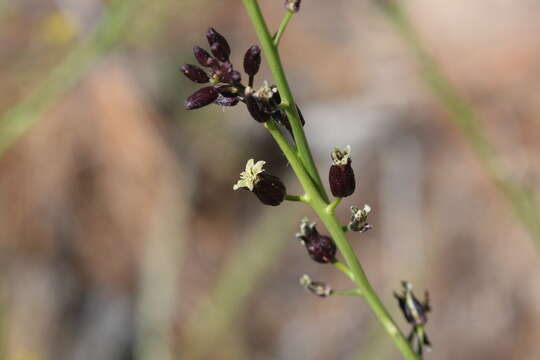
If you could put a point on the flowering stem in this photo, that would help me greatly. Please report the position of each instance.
(274, 62)
(288, 16)
(306, 171)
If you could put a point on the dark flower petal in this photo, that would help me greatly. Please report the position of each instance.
(201, 97)
(194, 73)
(226, 101)
(218, 45)
(252, 60)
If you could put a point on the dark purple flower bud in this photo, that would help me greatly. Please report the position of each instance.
(232, 77)
(219, 52)
(254, 108)
(320, 248)
(292, 5)
(268, 188)
(218, 45)
(201, 97)
(203, 57)
(223, 100)
(194, 73)
(341, 175)
(252, 60)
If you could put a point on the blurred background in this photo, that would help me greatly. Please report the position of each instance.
(121, 237)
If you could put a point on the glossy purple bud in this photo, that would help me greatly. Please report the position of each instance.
(269, 189)
(203, 57)
(201, 97)
(218, 45)
(320, 248)
(341, 174)
(194, 73)
(226, 100)
(252, 60)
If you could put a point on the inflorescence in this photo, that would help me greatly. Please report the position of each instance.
(264, 104)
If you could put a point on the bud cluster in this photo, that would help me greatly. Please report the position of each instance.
(225, 83)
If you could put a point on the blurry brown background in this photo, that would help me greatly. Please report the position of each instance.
(120, 234)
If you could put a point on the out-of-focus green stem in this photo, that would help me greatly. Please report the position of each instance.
(463, 115)
(19, 119)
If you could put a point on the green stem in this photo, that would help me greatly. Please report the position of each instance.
(288, 16)
(344, 269)
(294, 197)
(304, 168)
(333, 205)
(274, 62)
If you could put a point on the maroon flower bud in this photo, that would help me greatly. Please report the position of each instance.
(223, 100)
(320, 248)
(218, 45)
(194, 73)
(201, 97)
(268, 188)
(318, 288)
(341, 175)
(252, 60)
(253, 105)
(203, 57)
(219, 52)
(232, 77)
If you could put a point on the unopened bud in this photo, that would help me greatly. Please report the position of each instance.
(201, 97)
(194, 73)
(320, 248)
(218, 45)
(341, 174)
(252, 60)
(203, 57)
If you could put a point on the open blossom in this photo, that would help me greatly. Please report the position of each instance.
(268, 188)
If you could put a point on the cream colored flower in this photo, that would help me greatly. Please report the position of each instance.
(249, 176)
